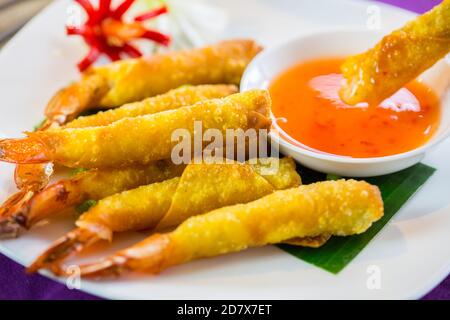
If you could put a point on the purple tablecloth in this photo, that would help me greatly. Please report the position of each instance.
(16, 284)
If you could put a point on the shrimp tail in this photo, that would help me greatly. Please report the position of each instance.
(71, 243)
(110, 267)
(69, 102)
(30, 179)
(14, 203)
(151, 255)
(9, 229)
(29, 206)
(33, 177)
(27, 150)
(12, 221)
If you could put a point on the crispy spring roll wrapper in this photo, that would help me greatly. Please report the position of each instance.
(398, 58)
(176, 98)
(31, 178)
(225, 184)
(94, 184)
(139, 140)
(339, 208)
(130, 80)
(201, 188)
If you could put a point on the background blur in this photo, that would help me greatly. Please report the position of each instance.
(15, 13)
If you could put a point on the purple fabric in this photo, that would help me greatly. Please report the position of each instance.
(16, 284)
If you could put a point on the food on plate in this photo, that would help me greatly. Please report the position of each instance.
(126, 81)
(31, 178)
(306, 97)
(173, 99)
(342, 208)
(195, 209)
(201, 188)
(204, 187)
(138, 140)
(93, 184)
(398, 58)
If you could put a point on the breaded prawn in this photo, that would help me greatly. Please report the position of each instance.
(138, 140)
(32, 178)
(130, 80)
(341, 208)
(201, 188)
(173, 99)
(398, 58)
(94, 184)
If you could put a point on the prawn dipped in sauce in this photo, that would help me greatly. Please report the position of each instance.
(307, 108)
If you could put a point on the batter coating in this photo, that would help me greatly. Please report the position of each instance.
(398, 58)
(341, 208)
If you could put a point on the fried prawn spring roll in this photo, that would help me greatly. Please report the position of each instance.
(93, 184)
(339, 208)
(174, 99)
(201, 188)
(31, 178)
(398, 58)
(126, 81)
(139, 140)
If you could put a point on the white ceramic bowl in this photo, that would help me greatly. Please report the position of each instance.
(271, 62)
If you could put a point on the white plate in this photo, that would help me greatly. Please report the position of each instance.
(411, 254)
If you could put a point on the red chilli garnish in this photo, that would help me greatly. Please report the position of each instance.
(105, 32)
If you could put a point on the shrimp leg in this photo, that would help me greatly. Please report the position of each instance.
(168, 204)
(339, 208)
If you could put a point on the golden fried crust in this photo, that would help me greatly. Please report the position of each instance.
(332, 207)
(99, 183)
(148, 138)
(201, 188)
(206, 187)
(280, 173)
(316, 210)
(135, 209)
(96, 184)
(183, 96)
(398, 58)
(134, 80)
